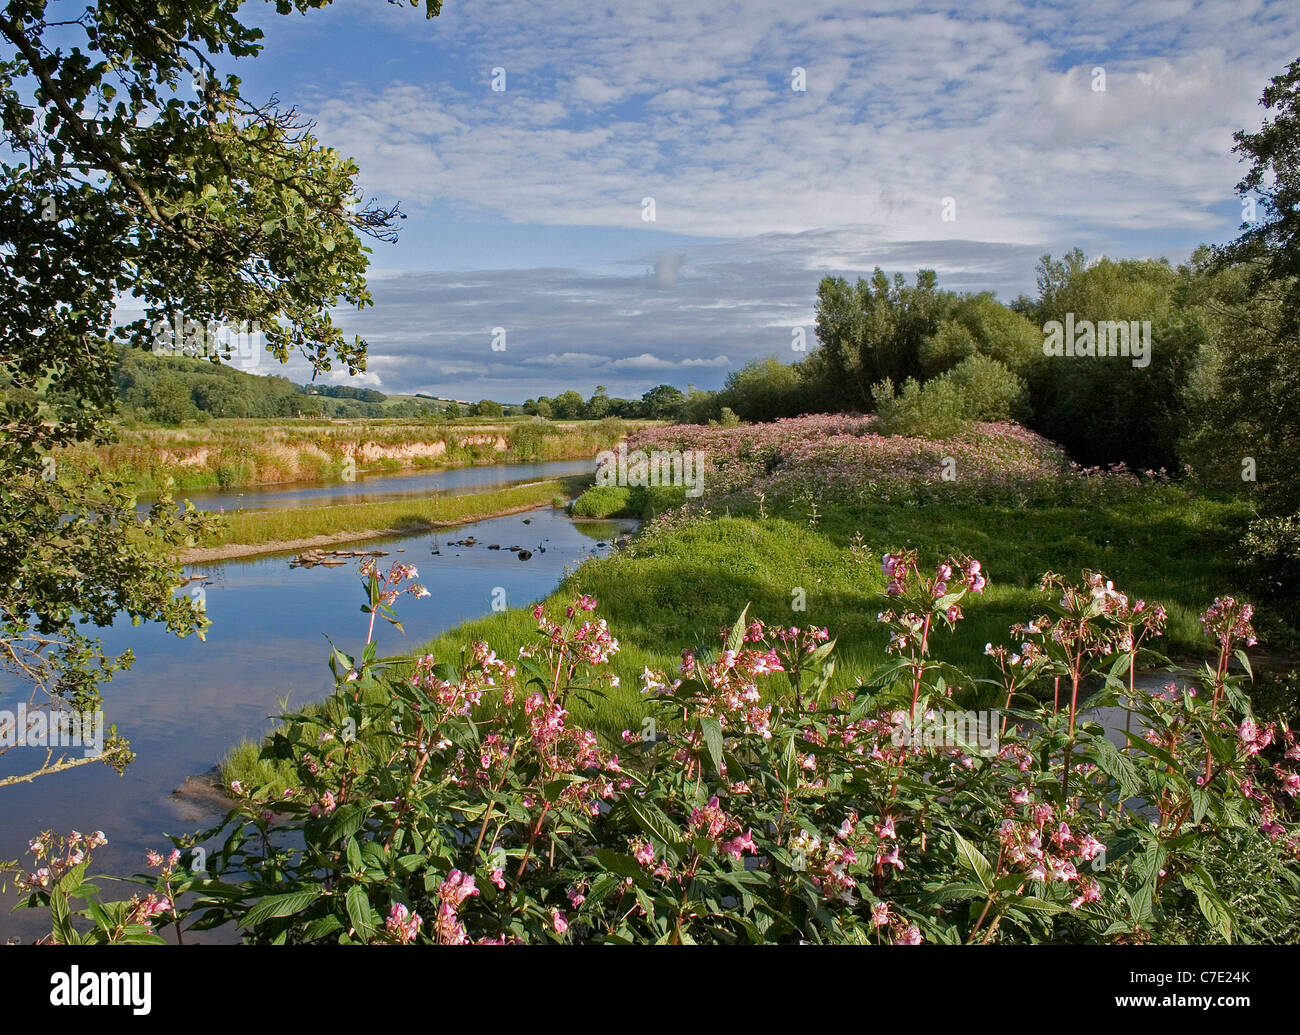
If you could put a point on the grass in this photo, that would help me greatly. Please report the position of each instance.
(234, 453)
(269, 526)
(605, 501)
(678, 586)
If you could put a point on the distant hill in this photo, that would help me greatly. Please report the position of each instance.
(171, 389)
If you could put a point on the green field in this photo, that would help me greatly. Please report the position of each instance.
(677, 587)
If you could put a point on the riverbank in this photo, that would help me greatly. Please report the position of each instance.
(686, 577)
(795, 518)
(250, 533)
(236, 454)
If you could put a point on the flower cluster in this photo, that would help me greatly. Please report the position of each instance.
(402, 925)
(390, 583)
(1046, 849)
(55, 855)
(452, 893)
(1228, 620)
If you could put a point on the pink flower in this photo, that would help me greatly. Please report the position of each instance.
(559, 921)
(402, 924)
(889, 858)
(737, 845)
(1255, 738)
(643, 853)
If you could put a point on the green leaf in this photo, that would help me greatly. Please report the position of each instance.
(973, 860)
(615, 862)
(712, 730)
(359, 912)
(1213, 908)
(1034, 904)
(736, 638)
(789, 772)
(347, 821)
(659, 827)
(280, 905)
(1117, 766)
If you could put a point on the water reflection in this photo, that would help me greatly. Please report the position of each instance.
(185, 703)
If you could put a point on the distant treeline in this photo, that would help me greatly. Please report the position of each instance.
(663, 402)
(172, 389)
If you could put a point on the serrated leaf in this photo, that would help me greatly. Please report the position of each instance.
(736, 638)
(970, 857)
(359, 912)
(712, 730)
(288, 904)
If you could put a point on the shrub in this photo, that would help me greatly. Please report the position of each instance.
(650, 501)
(763, 389)
(603, 501)
(454, 800)
(932, 410)
(1272, 548)
(988, 390)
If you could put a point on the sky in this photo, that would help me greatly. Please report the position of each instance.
(779, 143)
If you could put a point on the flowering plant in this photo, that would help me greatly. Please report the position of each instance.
(452, 801)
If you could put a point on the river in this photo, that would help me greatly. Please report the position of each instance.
(371, 488)
(186, 703)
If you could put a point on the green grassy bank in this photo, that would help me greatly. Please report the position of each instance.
(677, 586)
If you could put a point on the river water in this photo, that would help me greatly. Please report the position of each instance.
(186, 703)
(370, 488)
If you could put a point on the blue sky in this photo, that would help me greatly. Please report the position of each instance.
(525, 205)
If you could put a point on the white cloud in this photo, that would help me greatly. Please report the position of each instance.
(990, 104)
(901, 110)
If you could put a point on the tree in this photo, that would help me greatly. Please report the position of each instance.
(130, 165)
(486, 408)
(980, 325)
(1246, 404)
(452, 410)
(1272, 244)
(598, 405)
(663, 402)
(763, 389)
(567, 405)
(868, 332)
(1113, 409)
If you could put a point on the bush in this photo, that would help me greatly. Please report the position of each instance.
(981, 325)
(603, 501)
(698, 407)
(1272, 547)
(933, 410)
(988, 390)
(454, 800)
(762, 390)
(649, 502)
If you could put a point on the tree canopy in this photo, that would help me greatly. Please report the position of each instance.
(134, 174)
